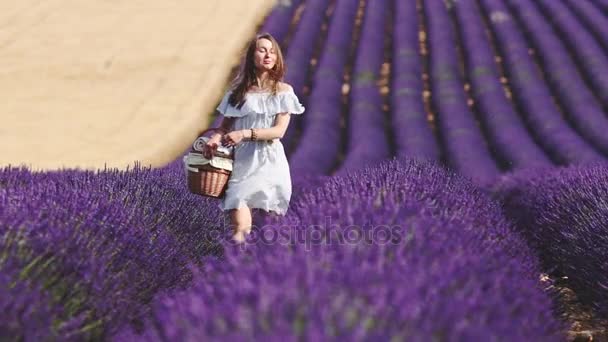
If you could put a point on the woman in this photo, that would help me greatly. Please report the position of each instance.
(256, 114)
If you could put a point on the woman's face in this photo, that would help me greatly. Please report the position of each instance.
(265, 56)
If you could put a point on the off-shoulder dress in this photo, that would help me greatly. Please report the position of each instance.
(260, 174)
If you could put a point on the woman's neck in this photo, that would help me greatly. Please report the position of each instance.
(262, 80)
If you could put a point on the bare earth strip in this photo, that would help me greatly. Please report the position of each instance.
(88, 83)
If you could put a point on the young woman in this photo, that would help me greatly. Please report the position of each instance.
(256, 114)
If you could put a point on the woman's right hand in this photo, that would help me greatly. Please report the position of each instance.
(211, 146)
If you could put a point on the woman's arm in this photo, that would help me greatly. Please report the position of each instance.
(278, 130)
(224, 128)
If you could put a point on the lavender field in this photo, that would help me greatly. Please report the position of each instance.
(450, 184)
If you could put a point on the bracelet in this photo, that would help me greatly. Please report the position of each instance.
(254, 135)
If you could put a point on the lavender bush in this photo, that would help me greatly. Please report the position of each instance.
(404, 250)
(99, 245)
(564, 215)
(26, 311)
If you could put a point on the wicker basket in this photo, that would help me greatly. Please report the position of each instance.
(207, 179)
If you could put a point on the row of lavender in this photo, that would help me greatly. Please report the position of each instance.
(463, 142)
(584, 112)
(300, 52)
(584, 47)
(412, 135)
(82, 254)
(507, 136)
(581, 105)
(366, 137)
(507, 133)
(323, 113)
(531, 93)
(495, 133)
(403, 250)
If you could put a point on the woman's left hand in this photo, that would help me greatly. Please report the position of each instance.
(233, 138)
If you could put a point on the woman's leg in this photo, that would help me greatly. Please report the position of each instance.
(241, 222)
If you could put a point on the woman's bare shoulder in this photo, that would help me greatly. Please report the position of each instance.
(283, 86)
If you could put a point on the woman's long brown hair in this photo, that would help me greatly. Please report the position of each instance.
(247, 77)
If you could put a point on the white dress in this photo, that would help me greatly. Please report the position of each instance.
(260, 174)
